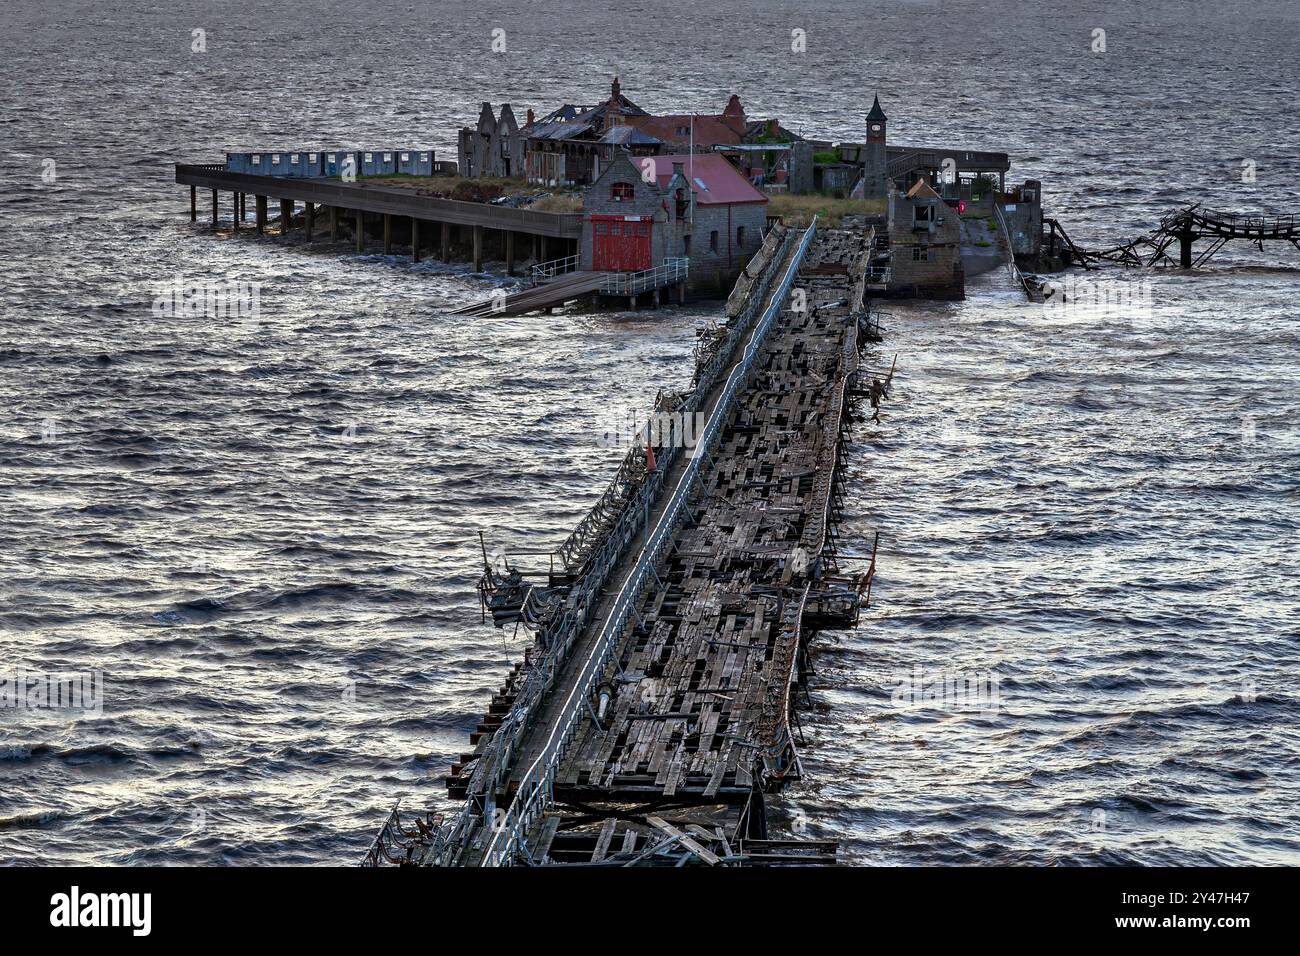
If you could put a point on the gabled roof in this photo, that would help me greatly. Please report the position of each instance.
(876, 112)
(922, 190)
(716, 181)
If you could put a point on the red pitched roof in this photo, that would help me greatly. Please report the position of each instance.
(716, 180)
(707, 130)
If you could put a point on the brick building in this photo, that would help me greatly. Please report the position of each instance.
(925, 245)
(642, 210)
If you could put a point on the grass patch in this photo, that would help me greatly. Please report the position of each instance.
(565, 202)
(831, 211)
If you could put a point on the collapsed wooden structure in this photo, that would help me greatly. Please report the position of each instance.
(656, 708)
(1188, 225)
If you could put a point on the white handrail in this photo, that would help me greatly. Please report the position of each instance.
(536, 785)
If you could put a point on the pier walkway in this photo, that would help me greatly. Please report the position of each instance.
(656, 708)
(394, 212)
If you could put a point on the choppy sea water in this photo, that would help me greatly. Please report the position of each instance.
(265, 535)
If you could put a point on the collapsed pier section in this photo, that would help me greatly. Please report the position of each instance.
(656, 708)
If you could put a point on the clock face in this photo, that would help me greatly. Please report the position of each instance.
(875, 127)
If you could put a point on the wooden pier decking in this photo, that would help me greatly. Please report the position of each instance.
(672, 714)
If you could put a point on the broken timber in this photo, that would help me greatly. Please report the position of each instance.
(655, 710)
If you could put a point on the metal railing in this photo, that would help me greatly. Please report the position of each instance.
(1247, 222)
(553, 268)
(1016, 275)
(674, 269)
(592, 552)
(536, 787)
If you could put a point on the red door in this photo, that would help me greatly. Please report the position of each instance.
(619, 244)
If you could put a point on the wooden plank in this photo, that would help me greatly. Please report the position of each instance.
(708, 856)
(602, 842)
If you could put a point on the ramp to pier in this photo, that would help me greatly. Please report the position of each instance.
(561, 290)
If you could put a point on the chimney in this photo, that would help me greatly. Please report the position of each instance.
(614, 88)
(771, 128)
(530, 118)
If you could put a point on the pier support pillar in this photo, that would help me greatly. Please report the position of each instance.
(309, 218)
(286, 215)
(194, 204)
(541, 255)
(478, 248)
(235, 221)
(655, 298)
(446, 242)
(334, 223)
(361, 231)
(510, 252)
(261, 214)
(415, 239)
(681, 293)
(1185, 249)
(214, 210)
(631, 302)
(388, 234)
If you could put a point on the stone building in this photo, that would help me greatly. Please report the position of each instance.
(1022, 208)
(642, 210)
(495, 147)
(572, 145)
(924, 245)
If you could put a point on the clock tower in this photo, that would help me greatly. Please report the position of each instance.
(875, 181)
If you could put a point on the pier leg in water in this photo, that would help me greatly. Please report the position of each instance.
(235, 219)
(194, 204)
(388, 234)
(1185, 249)
(214, 210)
(334, 223)
(243, 206)
(478, 248)
(361, 231)
(309, 218)
(510, 252)
(415, 239)
(541, 256)
(261, 215)
(286, 215)
(446, 242)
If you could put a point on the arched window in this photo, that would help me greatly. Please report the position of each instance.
(713, 241)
